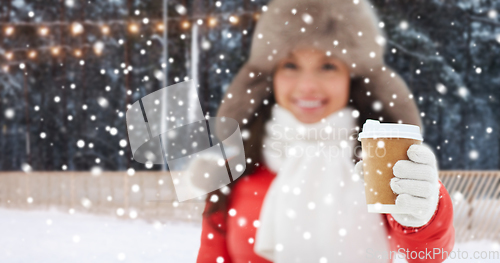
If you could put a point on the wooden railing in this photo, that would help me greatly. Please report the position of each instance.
(146, 195)
(476, 203)
(151, 196)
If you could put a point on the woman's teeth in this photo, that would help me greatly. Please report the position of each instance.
(309, 103)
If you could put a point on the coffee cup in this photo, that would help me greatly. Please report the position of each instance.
(383, 144)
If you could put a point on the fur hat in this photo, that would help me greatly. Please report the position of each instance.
(347, 29)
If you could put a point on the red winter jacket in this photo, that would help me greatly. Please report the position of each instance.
(235, 243)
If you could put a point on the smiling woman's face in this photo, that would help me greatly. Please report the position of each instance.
(311, 84)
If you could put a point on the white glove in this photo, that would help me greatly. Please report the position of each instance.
(358, 171)
(201, 165)
(416, 183)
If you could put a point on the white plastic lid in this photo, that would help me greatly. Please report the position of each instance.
(375, 129)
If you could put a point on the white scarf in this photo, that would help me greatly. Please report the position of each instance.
(315, 209)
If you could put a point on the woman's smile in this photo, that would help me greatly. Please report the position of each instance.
(311, 84)
(310, 105)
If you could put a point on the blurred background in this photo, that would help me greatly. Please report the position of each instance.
(69, 68)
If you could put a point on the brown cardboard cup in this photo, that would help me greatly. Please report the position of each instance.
(382, 146)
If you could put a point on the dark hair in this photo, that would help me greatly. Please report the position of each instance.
(253, 146)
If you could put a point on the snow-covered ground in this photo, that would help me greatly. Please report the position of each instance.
(56, 237)
(53, 236)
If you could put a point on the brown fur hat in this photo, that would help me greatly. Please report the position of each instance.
(349, 30)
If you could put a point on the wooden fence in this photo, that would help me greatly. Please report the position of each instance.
(151, 196)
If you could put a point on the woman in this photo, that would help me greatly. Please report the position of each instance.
(318, 66)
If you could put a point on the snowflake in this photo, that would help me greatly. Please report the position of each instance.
(473, 155)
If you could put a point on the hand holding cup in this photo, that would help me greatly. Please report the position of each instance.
(416, 184)
(400, 174)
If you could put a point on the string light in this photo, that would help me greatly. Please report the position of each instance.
(134, 28)
(105, 30)
(212, 21)
(54, 50)
(185, 24)
(233, 19)
(5, 68)
(77, 28)
(44, 31)
(9, 31)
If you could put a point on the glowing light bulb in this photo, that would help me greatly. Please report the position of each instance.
(133, 28)
(32, 54)
(212, 21)
(160, 27)
(105, 30)
(233, 19)
(98, 47)
(77, 28)
(9, 31)
(55, 51)
(9, 55)
(44, 31)
(186, 24)
(78, 53)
